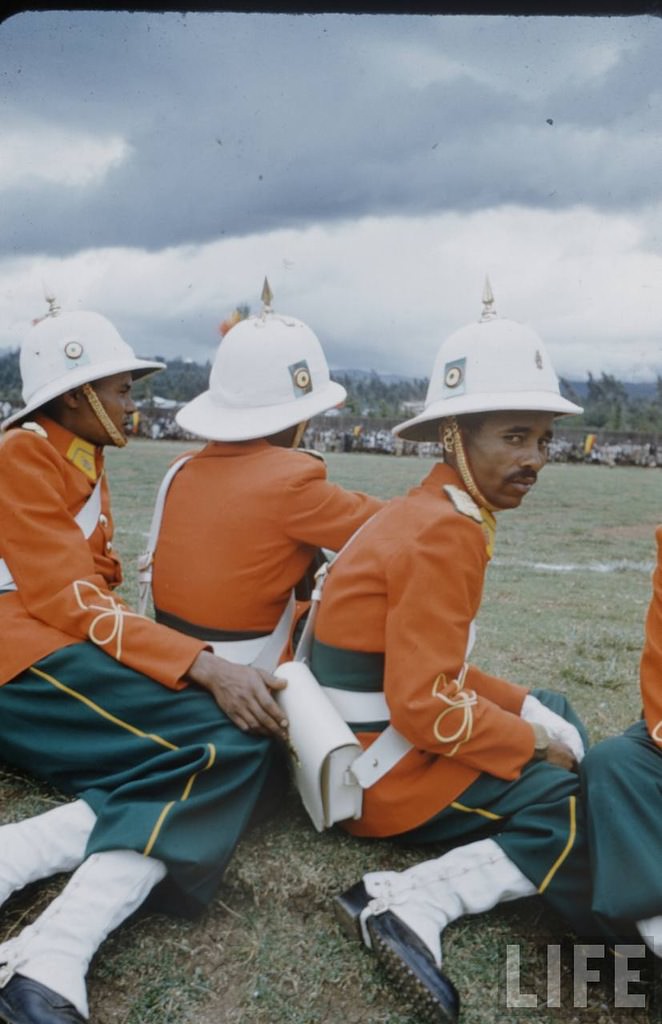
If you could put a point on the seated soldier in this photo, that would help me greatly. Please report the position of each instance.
(460, 756)
(166, 747)
(622, 780)
(244, 518)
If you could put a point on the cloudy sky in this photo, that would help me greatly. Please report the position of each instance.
(155, 167)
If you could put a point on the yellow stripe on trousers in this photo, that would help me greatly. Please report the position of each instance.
(567, 848)
(572, 834)
(101, 711)
(476, 810)
(136, 732)
(168, 807)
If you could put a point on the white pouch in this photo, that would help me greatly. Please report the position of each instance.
(322, 748)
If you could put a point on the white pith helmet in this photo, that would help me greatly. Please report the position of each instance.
(492, 365)
(269, 373)
(65, 350)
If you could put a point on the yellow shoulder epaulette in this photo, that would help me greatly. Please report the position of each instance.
(81, 455)
(463, 502)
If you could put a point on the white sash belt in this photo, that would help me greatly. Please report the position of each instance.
(382, 755)
(260, 651)
(241, 651)
(384, 752)
(359, 707)
(87, 519)
(146, 559)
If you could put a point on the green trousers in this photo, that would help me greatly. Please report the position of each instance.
(538, 820)
(167, 773)
(621, 779)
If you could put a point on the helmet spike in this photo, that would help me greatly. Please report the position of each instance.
(489, 312)
(53, 307)
(267, 297)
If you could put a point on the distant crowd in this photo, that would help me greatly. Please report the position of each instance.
(584, 449)
(623, 453)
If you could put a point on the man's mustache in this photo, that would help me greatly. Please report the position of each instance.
(528, 476)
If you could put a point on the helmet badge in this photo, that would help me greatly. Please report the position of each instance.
(302, 382)
(538, 359)
(454, 374)
(73, 350)
(76, 355)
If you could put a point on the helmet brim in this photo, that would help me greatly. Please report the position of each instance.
(425, 426)
(208, 417)
(138, 368)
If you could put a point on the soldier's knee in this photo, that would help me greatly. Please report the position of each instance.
(608, 758)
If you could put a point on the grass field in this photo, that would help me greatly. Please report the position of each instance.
(564, 605)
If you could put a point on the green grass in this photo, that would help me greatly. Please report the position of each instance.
(269, 951)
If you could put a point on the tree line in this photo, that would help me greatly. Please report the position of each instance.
(609, 404)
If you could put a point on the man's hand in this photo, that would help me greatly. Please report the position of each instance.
(243, 692)
(558, 728)
(559, 754)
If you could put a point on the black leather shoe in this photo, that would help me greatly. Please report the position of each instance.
(348, 907)
(24, 1001)
(405, 958)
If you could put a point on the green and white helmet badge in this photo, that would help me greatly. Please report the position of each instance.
(302, 381)
(454, 376)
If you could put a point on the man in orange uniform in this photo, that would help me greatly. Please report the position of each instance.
(621, 781)
(246, 516)
(460, 757)
(166, 747)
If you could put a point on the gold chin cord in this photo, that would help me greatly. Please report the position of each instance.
(300, 431)
(451, 439)
(104, 419)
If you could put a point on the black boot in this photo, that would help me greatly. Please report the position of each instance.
(405, 958)
(24, 1001)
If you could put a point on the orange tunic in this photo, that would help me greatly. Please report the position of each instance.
(241, 525)
(409, 586)
(651, 658)
(65, 582)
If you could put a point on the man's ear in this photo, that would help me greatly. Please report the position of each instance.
(71, 399)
